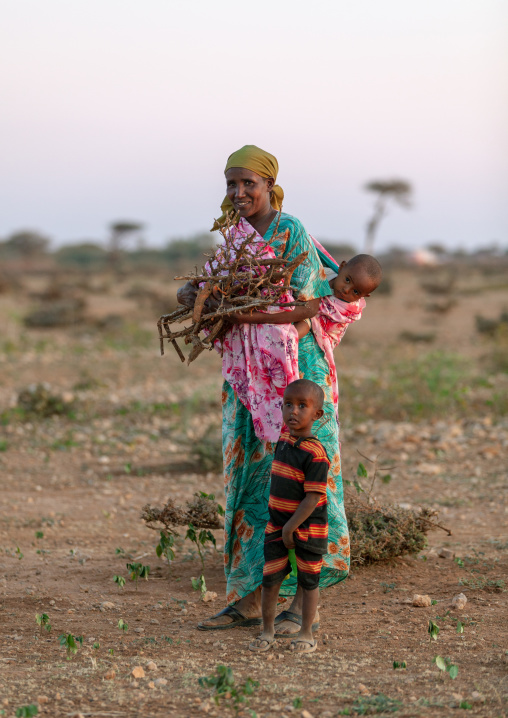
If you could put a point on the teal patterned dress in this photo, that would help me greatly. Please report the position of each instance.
(248, 461)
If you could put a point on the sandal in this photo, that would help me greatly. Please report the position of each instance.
(294, 618)
(311, 645)
(239, 620)
(261, 649)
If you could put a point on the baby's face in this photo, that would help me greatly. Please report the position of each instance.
(352, 283)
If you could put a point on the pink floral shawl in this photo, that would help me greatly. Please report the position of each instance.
(260, 360)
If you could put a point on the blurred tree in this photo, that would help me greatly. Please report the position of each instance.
(86, 255)
(27, 244)
(120, 231)
(397, 190)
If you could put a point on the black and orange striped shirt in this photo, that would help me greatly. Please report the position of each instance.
(299, 465)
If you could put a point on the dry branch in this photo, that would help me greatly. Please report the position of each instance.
(239, 278)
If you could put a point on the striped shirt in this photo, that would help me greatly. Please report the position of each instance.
(300, 465)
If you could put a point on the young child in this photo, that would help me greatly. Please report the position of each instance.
(355, 280)
(298, 513)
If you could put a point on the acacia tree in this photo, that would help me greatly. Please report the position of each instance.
(120, 232)
(400, 191)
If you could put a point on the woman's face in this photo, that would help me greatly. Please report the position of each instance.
(249, 193)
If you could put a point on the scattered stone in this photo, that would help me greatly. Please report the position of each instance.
(306, 714)
(110, 675)
(154, 621)
(58, 697)
(209, 596)
(151, 666)
(151, 684)
(41, 700)
(184, 611)
(161, 682)
(459, 601)
(421, 601)
(458, 697)
(138, 672)
(446, 553)
(363, 689)
(477, 697)
(52, 602)
(139, 629)
(105, 605)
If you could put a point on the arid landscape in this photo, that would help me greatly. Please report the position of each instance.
(114, 426)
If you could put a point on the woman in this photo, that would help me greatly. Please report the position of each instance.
(252, 193)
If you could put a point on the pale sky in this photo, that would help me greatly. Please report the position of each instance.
(128, 109)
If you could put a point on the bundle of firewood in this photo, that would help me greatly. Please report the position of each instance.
(238, 277)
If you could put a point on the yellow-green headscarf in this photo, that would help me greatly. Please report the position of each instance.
(263, 164)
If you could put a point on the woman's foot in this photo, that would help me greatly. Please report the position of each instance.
(248, 608)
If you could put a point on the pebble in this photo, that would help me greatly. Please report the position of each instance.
(477, 697)
(139, 629)
(459, 601)
(209, 596)
(446, 553)
(151, 684)
(41, 700)
(421, 601)
(138, 672)
(151, 666)
(105, 605)
(363, 689)
(306, 714)
(154, 621)
(109, 675)
(161, 682)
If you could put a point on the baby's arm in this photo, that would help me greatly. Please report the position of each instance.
(302, 327)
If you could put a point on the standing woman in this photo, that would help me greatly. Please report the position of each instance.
(252, 193)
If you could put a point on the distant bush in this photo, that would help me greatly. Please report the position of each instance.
(84, 256)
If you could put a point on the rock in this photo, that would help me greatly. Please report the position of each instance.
(154, 621)
(137, 672)
(209, 596)
(110, 675)
(41, 700)
(477, 697)
(459, 601)
(306, 714)
(161, 682)
(151, 666)
(151, 684)
(421, 601)
(446, 553)
(363, 689)
(106, 605)
(139, 629)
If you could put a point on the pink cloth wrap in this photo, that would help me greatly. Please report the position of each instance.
(329, 326)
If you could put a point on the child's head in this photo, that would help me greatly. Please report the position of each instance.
(357, 278)
(302, 406)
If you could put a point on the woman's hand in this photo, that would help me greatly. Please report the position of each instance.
(186, 295)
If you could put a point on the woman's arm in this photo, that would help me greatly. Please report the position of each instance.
(305, 311)
(303, 328)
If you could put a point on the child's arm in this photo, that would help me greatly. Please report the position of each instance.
(303, 512)
(303, 328)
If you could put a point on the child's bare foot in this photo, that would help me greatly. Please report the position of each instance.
(262, 643)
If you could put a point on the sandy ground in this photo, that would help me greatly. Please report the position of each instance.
(81, 481)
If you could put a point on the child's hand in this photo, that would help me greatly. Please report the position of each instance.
(287, 537)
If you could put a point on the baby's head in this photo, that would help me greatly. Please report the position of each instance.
(302, 406)
(357, 278)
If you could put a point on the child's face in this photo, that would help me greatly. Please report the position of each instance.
(352, 283)
(299, 412)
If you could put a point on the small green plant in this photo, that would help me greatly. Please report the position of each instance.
(27, 711)
(39, 534)
(137, 571)
(433, 631)
(96, 645)
(376, 704)
(465, 705)
(223, 684)
(165, 546)
(119, 580)
(399, 664)
(444, 664)
(297, 703)
(200, 540)
(111, 651)
(42, 620)
(481, 583)
(119, 551)
(3, 445)
(71, 643)
(460, 627)
(387, 587)
(123, 625)
(459, 562)
(19, 554)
